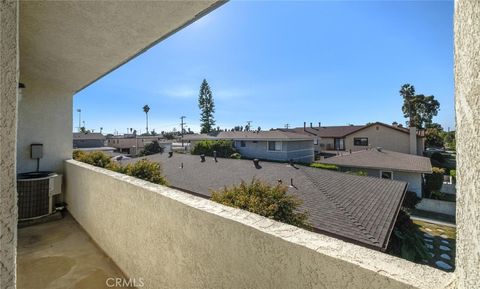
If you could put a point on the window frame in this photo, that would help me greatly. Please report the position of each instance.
(359, 139)
(385, 171)
(275, 146)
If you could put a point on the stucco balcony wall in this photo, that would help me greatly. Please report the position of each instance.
(172, 239)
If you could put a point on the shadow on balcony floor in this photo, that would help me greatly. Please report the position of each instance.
(60, 254)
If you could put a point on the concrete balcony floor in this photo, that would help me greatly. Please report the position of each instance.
(59, 254)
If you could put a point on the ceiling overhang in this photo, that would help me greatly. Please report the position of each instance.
(70, 44)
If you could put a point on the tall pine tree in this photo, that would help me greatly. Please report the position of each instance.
(207, 107)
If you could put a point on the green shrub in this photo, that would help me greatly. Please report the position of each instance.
(358, 173)
(261, 198)
(453, 173)
(434, 181)
(406, 240)
(438, 157)
(410, 200)
(152, 148)
(98, 159)
(224, 148)
(145, 170)
(236, 156)
(324, 166)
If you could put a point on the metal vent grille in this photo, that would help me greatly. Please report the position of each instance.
(33, 198)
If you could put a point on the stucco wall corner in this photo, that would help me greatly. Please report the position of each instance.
(8, 127)
(467, 106)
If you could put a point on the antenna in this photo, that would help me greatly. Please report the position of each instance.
(287, 125)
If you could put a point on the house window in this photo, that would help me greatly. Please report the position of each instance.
(243, 144)
(386, 175)
(274, 145)
(360, 141)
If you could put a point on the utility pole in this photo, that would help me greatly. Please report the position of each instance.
(182, 123)
(79, 118)
(249, 122)
(287, 125)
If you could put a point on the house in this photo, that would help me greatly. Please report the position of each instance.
(88, 140)
(134, 144)
(385, 164)
(266, 145)
(166, 237)
(360, 137)
(337, 203)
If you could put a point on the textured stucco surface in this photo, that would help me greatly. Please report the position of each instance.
(72, 43)
(8, 130)
(176, 240)
(467, 105)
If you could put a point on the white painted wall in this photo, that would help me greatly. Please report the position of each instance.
(176, 240)
(45, 116)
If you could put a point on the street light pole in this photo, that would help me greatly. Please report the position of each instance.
(79, 118)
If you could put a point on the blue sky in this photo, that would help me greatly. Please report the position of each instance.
(275, 63)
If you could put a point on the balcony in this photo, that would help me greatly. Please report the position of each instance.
(168, 238)
(171, 239)
(60, 254)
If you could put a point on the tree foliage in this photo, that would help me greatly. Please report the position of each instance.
(418, 108)
(224, 148)
(152, 148)
(207, 107)
(271, 201)
(434, 135)
(434, 181)
(146, 109)
(406, 240)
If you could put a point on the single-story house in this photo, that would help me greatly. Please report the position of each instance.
(266, 145)
(88, 140)
(354, 208)
(359, 137)
(386, 164)
(133, 144)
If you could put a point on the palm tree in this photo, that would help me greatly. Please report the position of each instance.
(146, 109)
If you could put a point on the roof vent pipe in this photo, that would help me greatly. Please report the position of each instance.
(170, 154)
(379, 149)
(256, 162)
(215, 156)
(202, 157)
(311, 125)
(304, 125)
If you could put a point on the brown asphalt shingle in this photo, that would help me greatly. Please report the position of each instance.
(382, 159)
(354, 208)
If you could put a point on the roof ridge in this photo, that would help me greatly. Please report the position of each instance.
(344, 210)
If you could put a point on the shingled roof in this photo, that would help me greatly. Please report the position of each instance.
(272, 135)
(382, 159)
(343, 131)
(88, 136)
(353, 208)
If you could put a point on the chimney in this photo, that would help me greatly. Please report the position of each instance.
(413, 140)
(304, 125)
(202, 157)
(215, 156)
